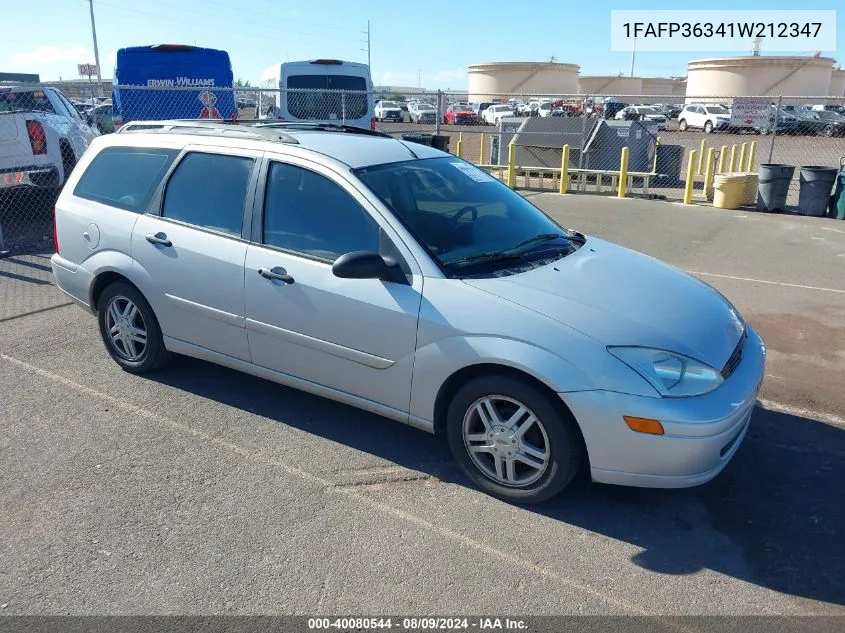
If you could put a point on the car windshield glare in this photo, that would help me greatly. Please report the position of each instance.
(717, 110)
(458, 211)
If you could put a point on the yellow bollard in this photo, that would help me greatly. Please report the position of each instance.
(732, 165)
(623, 174)
(723, 155)
(481, 152)
(511, 165)
(693, 156)
(700, 166)
(752, 155)
(564, 169)
(742, 152)
(709, 169)
(460, 146)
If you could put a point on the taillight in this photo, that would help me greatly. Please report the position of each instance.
(234, 115)
(37, 138)
(55, 231)
(373, 124)
(117, 122)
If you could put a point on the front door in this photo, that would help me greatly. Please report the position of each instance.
(191, 256)
(353, 335)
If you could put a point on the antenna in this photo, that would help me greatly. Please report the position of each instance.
(367, 42)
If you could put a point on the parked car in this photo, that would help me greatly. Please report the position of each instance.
(708, 117)
(42, 137)
(830, 107)
(460, 114)
(646, 114)
(786, 123)
(588, 355)
(479, 108)
(422, 113)
(389, 111)
(101, 117)
(834, 123)
(494, 114)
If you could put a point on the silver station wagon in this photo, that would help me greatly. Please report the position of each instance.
(405, 281)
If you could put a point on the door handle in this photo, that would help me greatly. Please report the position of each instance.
(277, 274)
(158, 238)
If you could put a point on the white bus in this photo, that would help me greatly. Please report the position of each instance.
(322, 90)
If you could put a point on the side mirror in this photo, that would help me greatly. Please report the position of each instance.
(368, 265)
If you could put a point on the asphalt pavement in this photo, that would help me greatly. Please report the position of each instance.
(198, 490)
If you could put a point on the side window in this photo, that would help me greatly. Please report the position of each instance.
(125, 177)
(74, 113)
(307, 213)
(209, 190)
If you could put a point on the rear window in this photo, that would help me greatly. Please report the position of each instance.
(25, 101)
(124, 177)
(310, 104)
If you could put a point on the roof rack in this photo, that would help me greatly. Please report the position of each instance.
(207, 128)
(317, 126)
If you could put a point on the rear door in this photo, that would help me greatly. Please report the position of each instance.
(191, 249)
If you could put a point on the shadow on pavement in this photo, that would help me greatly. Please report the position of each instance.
(774, 517)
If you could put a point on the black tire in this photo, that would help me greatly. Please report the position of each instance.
(708, 127)
(682, 125)
(154, 354)
(828, 131)
(564, 441)
(68, 159)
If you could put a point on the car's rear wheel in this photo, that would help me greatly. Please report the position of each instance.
(682, 125)
(130, 330)
(512, 440)
(828, 130)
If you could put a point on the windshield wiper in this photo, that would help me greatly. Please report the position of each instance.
(494, 256)
(545, 237)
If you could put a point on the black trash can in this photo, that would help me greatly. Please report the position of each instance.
(670, 159)
(437, 141)
(816, 185)
(773, 186)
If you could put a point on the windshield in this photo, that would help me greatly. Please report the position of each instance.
(717, 110)
(646, 110)
(389, 104)
(826, 115)
(458, 212)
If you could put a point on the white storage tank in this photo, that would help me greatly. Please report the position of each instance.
(763, 75)
(837, 83)
(616, 85)
(487, 82)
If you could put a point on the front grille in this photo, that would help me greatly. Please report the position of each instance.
(736, 356)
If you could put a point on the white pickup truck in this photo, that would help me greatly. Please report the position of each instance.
(42, 137)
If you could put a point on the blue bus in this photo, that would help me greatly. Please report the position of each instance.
(173, 66)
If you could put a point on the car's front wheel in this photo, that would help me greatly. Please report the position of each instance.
(682, 125)
(708, 127)
(130, 330)
(512, 440)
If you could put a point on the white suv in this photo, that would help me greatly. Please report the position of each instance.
(708, 117)
(391, 276)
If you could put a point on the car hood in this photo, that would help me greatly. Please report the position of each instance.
(620, 297)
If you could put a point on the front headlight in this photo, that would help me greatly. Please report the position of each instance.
(673, 375)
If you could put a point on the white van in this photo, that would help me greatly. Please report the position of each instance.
(323, 90)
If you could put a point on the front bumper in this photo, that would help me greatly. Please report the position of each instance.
(30, 176)
(701, 433)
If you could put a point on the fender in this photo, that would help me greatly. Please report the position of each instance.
(437, 361)
(122, 264)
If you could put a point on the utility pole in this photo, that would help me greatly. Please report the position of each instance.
(633, 56)
(419, 78)
(96, 52)
(367, 33)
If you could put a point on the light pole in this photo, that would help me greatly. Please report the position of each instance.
(96, 51)
(633, 56)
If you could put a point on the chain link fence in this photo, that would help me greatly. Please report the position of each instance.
(629, 144)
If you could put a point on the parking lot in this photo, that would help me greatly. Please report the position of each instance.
(200, 490)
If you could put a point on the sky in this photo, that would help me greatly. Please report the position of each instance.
(426, 44)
